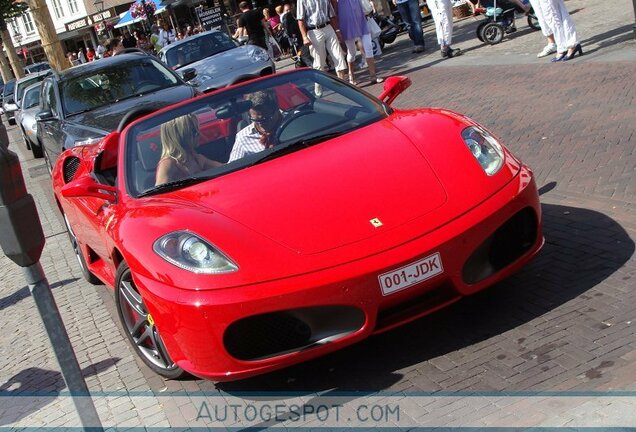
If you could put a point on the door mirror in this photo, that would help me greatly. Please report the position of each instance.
(189, 74)
(87, 186)
(44, 116)
(393, 87)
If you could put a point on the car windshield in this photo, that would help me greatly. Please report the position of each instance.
(22, 85)
(38, 67)
(31, 97)
(8, 89)
(118, 82)
(241, 126)
(195, 49)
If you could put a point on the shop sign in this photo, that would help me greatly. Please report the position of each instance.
(79, 24)
(210, 17)
(103, 15)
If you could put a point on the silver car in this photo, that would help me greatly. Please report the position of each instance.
(212, 60)
(25, 118)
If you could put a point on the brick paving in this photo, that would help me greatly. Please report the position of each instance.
(565, 323)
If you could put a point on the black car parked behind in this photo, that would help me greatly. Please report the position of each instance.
(83, 104)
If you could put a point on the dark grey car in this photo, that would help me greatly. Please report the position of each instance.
(83, 104)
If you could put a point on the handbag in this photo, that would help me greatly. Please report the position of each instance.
(367, 9)
(374, 28)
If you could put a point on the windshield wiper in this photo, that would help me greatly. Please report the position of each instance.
(284, 149)
(170, 186)
(80, 112)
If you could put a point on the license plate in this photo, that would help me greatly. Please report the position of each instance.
(411, 274)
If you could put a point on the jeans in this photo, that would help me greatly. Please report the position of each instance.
(410, 12)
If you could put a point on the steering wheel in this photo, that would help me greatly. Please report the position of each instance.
(292, 117)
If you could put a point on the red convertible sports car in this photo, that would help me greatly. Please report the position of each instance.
(283, 218)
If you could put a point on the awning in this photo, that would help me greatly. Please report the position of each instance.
(127, 18)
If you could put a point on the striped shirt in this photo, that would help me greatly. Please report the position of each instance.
(247, 142)
(314, 12)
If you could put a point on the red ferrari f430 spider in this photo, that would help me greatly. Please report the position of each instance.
(283, 218)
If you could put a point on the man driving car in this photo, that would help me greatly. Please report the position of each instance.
(260, 134)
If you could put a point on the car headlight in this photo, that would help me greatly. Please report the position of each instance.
(485, 148)
(190, 252)
(259, 55)
(88, 141)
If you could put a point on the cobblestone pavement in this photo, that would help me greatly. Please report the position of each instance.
(562, 327)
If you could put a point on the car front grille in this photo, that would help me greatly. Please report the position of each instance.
(276, 333)
(507, 244)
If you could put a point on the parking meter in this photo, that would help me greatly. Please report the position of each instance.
(21, 235)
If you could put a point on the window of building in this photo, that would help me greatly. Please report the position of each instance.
(72, 6)
(27, 19)
(57, 6)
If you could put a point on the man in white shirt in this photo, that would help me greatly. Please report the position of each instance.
(319, 28)
(166, 35)
(265, 117)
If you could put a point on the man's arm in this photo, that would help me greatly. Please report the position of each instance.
(333, 19)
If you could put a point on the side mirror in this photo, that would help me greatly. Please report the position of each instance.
(43, 116)
(86, 186)
(393, 87)
(189, 74)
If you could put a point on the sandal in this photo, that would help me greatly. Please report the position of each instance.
(353, 81)
(376, 80)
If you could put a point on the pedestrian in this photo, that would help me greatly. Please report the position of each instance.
(251, 23)
(166, 35)
(558, 20)
(410, 12)
(81, 57)
(353, 24)
(101, 49)
(319, 28)
(72, 59)
(550, 48)
(442, 12)
(295, 37)
(90, 54)
(113, 47)
(129, 41)
(154, 37)
(143, 42)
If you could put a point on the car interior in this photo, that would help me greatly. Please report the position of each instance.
(304, 115)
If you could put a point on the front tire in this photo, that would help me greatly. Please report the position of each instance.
(140, 328)
(492, 33)
(37, 151)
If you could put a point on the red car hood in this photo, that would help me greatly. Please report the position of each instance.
(328, 195)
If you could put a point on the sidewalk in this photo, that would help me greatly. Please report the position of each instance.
(552, 346)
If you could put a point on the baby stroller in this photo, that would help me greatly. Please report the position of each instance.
(500, 20)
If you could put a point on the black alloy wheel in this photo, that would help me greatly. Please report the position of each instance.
(140, 327)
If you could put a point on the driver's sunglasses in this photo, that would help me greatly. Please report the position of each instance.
(264, 117)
